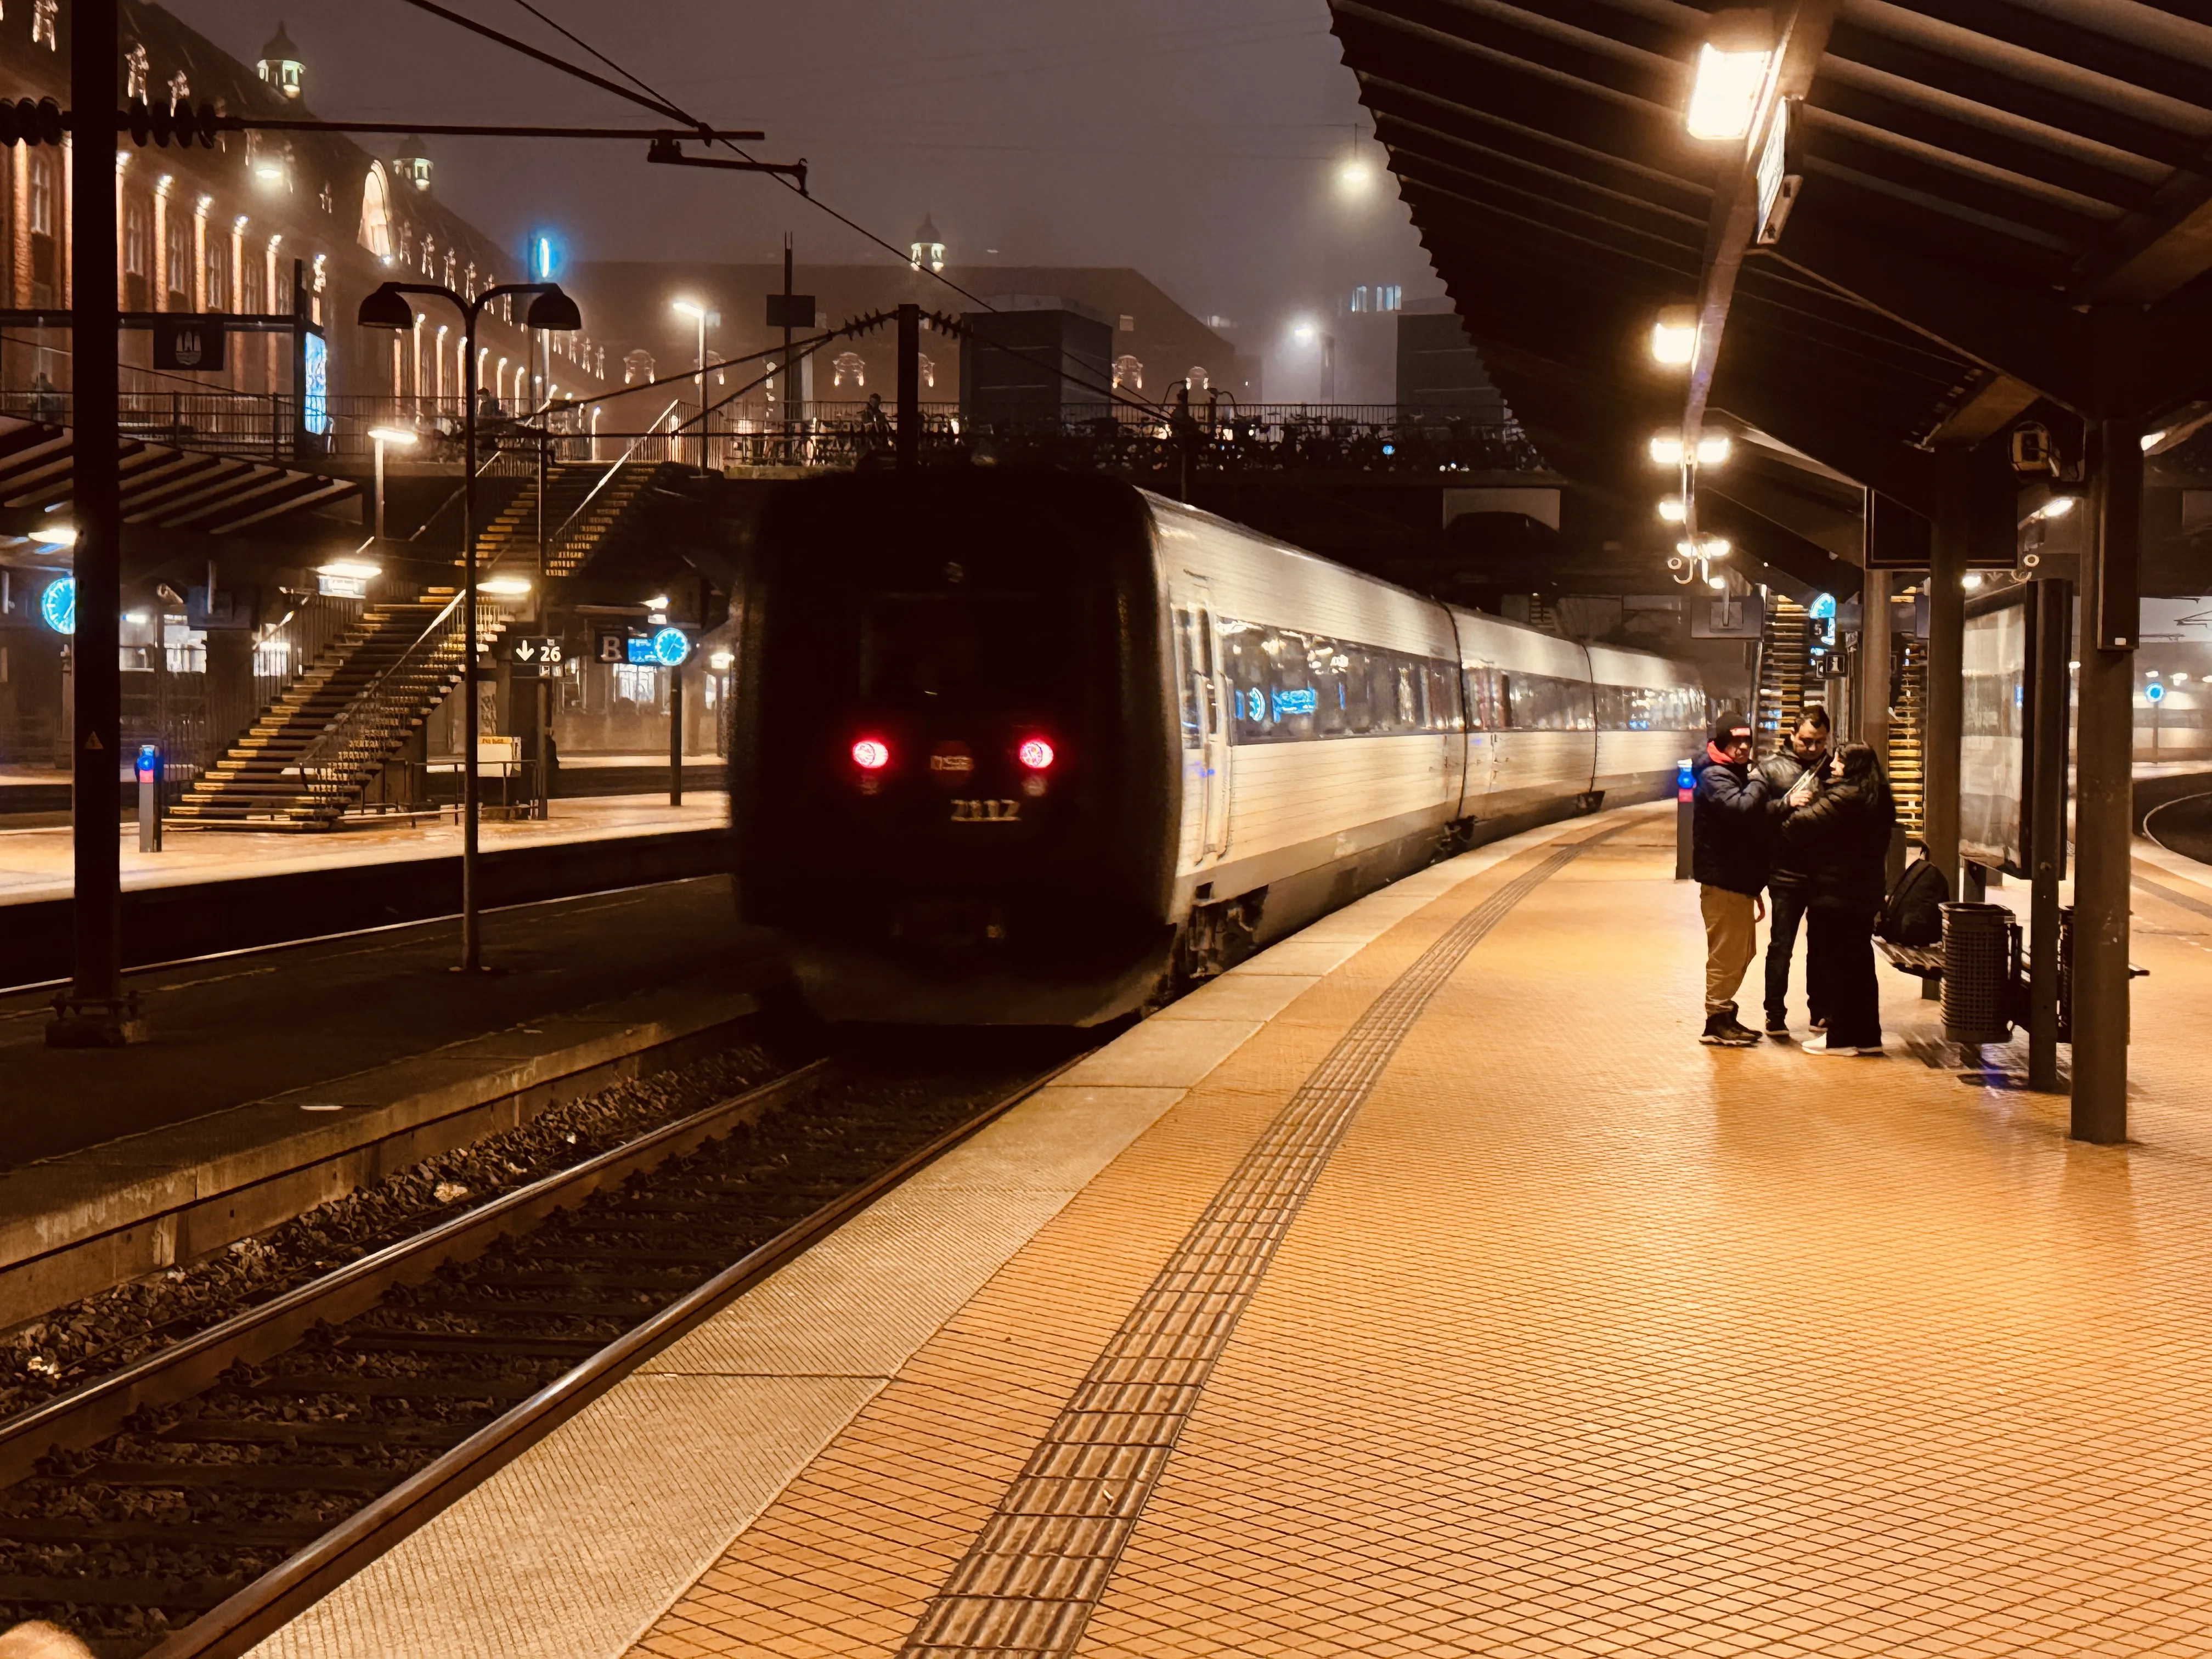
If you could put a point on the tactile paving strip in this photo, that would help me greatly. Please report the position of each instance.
(1029, 1583)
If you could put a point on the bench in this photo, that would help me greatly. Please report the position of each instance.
(1926, 961)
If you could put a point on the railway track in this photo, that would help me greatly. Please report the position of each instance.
(190, 1503)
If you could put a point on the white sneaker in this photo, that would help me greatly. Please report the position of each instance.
(1820, 1045)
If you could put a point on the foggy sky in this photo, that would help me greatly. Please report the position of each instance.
(1200, 145)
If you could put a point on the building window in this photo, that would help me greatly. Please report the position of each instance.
(849, 366)
(180, 89)
(1128, 324)
(42, 13)
(927, 369)
(256, 301)
(1388, 296)
(135, 71)
(42, 194)
(376, 213)
(1128, 374)
(1359, 298)
(218, 273)
(180, 261)
(138, 254)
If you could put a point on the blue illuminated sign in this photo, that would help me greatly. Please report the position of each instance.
(1255, 702)
(1301, 701)
(58, 606)
(2154, 691)
(1824, 607)
(670, 648)
(315, 365)
(149, 762)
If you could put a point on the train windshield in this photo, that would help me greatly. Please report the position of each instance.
(941, 649)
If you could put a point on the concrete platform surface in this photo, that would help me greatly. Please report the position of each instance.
(1446, 1297)
(35, 863)
(244, 1028)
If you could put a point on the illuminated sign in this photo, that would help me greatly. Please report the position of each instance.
(315, 366)
(1301, 701)
(668, 648)
(1781, 172)
(2154, 691)
(58, 606)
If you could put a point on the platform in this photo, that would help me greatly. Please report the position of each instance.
(1423, 1287)
(35, 863)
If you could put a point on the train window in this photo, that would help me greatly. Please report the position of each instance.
(1288, 687)
(1194, 662)
(975, 646)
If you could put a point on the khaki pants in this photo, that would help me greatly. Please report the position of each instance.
(1731, 941)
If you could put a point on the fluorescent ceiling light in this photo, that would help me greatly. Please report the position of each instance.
(504, 586)
(1675, 337)
(359, 570)
(2057, 507)
(1713, 448)
(1666, 448)
(55, 535)
(1672, 510)
(393, 435)
(1724, 97)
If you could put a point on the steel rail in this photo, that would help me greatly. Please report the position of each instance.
(85, 1416)
(296, 1584)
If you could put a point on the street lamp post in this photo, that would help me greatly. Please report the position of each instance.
(551, 310)
(399, 437)
(700, 315)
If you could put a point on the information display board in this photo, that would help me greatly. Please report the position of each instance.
(1994, 735)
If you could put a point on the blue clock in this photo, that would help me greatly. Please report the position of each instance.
(670, 646)
(2154, 691)
(58, 606)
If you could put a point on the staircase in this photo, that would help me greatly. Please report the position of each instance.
(313, 751)
(1907, 720)
(585, 502)
(1784, 655)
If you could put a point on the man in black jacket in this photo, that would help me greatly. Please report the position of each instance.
(1729, 844)
(1791, 776)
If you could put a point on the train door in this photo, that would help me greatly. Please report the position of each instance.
(1201, 665)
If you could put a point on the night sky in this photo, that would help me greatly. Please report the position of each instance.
(1201, 144)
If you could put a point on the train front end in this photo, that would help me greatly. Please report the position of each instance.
(952, 773)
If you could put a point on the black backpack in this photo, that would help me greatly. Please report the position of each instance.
(1914, 914)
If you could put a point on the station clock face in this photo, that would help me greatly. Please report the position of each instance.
(58, 606)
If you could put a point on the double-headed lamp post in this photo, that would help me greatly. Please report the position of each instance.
(556, 313)
(399, 437)
(700, 315)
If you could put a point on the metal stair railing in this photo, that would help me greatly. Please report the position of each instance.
(359, 736)
(557, 544)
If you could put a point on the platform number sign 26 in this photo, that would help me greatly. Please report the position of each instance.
(533, 655)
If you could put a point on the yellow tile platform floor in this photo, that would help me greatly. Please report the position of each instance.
(1591, 1340)
(1584, 1339)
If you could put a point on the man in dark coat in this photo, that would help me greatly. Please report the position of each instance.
(1729, 844)
(1791, 774)
(1843, 836)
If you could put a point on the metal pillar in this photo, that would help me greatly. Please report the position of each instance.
(94, 1011)
(2047, 827)
(2104, 786)
(1945, 695)
(910, 386)
(1870, 698)
(471, 716)
(676, 736)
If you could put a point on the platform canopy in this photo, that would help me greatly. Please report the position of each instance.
(1991, 212)
(165, 489)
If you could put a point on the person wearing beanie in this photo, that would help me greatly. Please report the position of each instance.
(1728, 847)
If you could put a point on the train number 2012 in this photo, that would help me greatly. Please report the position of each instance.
(986, 812)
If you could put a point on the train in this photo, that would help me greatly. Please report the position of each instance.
(1043, 748)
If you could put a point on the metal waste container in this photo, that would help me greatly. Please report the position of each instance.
(1977, 973)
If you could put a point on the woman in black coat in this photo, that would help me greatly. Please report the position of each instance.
(1842, 835)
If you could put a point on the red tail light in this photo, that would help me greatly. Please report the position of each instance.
(1036, 754)
(871, 754)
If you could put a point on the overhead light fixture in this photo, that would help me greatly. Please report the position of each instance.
(720, 661)
(2057, 507)
(658, 602)
(1713, 449)
(1672, 509)
(402, 436)
(1731, 74)
(1354, 176)
(2150, 440)
(1705, 547)
(691, 308)
(1675, 337)
(137, 618)
(1971, 581)
(504, 587)
(1718, 584)
(1666, 448)
(359, 570)
(55, 535)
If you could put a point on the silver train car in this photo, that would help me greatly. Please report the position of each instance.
(1036, 748)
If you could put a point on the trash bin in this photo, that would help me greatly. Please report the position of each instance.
(1976, 966)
